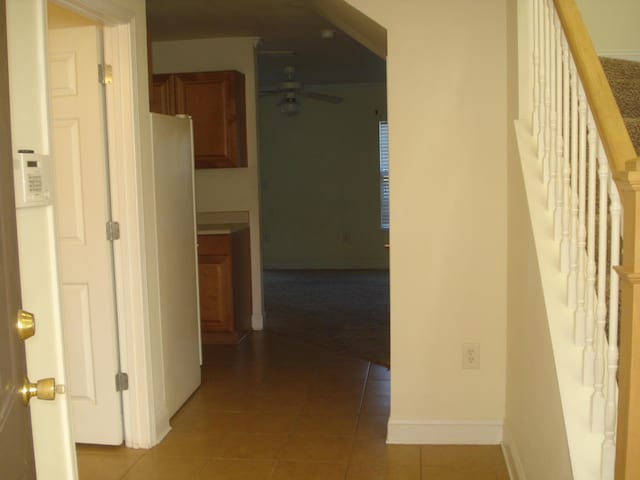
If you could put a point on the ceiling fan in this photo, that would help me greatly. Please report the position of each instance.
(290, 89)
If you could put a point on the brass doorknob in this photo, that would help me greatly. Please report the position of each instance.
(26, 325)
(44, 389)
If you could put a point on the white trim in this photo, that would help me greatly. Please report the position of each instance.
(632, 55)
(512, 457)
(257, 321)
(450, 432)
(126, 185)
(101, 11)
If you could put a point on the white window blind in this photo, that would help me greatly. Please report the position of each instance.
(383, 136)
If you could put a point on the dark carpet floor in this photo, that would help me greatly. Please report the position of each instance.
(344, 310)
(624, 78)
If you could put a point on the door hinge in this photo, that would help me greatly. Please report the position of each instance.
(122, 381)
(105, 74)
(113, 230)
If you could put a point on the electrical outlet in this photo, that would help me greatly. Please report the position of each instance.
(471, 355)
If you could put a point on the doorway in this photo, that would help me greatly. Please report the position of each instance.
(326, 277)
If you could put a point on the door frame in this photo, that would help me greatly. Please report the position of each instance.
(128, 136)
(123, 139)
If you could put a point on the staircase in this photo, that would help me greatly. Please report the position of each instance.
(624, 78)
(581, 177)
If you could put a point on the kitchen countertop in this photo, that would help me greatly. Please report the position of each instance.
(220, 228)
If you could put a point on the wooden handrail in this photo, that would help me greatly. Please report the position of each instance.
(613, 132)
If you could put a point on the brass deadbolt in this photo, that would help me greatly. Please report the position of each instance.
(26, 325)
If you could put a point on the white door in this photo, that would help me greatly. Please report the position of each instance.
(82, 209)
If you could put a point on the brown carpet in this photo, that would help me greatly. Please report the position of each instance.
(343, 310)
(624, 78)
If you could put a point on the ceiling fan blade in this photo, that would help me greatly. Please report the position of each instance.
(277, 53)
(322, 97)
(265, 93)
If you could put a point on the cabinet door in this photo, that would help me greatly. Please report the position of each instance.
(216, 300)
(162, 94)
(215, 101)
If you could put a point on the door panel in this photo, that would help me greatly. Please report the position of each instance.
(215, 292)
(16, 445)
(79, 352)
(215, 101)
(82, 210)
(70, 226)
(162, 100)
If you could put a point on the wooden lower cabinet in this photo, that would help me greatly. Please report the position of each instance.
(224, 275)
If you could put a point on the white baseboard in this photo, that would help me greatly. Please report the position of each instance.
(257, 321)
(444, 432)
(512, 457)
(163, 433)
(621, 54)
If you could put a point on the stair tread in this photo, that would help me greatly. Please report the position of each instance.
(624, 79)
(627, 95)
(617, 69)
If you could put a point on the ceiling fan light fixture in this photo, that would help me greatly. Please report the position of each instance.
(290, 106)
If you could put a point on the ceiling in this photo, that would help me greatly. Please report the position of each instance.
(290, 33)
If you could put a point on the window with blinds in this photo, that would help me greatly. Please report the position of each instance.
(383, 139)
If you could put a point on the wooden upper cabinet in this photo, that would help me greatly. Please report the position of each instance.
(162, 94)
(215, 101)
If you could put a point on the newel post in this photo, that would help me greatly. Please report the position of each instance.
(627, 465)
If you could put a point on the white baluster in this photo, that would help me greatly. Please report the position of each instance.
(588, 355)
(536, 68)
(553, 120)
(597, 399)
(546, 160)
(611, 404)
(579, 317)
(566, 165)
(542, 75)
(573, 138)
(557, 220)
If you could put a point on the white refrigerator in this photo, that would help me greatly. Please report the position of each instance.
(177, 257)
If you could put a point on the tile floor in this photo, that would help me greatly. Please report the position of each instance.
(275, 408)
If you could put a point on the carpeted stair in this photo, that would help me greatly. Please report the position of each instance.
(624, 78)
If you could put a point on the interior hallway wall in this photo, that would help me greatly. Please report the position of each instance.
(613, 26)
(446, 82)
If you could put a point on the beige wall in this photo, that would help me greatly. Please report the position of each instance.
(613, 25)
(319, 175)
(446, 73)
(225, 189)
